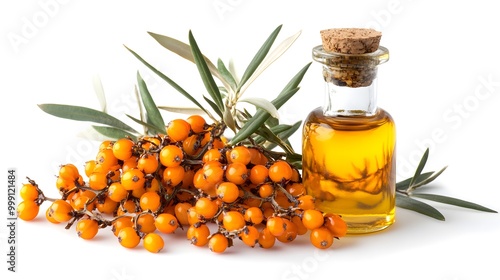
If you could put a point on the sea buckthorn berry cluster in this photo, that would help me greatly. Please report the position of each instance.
(187, 179)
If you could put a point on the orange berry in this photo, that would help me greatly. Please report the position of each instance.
(27, 210)
(266, 190)
(173, 176)
(254, 215)
(148, 163)
(306, 202)
(212, 155)
(276, 225)
(336, 225)
(153, 242)
(280, 171)
(146, 223)
(290, 233)
(321, 238)
(181, 212)
(240, 154)
(250, 236)
(98, 181)
(198, 234)
(121, 223)
(117, 192)
(197, 123)
(258, 174)
(218, 243)
(132, 179)
(69, 172)
(206, 207)
(123, 148)
(29, 192)
(266, 238)
(106, 158)
(228, 192)
(150, 201)
(87, 228)
(166, 223)
(312, 219)
(61, 211)
(237, 173)
(233, 220)
(178, 130)
(128, 237)
(171, 156)
(89, 167)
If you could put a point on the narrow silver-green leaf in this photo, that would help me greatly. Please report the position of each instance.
(420, 167)
(171, 83)
(79, 113)
(205, 74)
(284, 135)
(262, 104)
(99, 91)
(226, 74)
(182, 110)
(273, 138)
(428, 180)
(409, 203)
(453, 201)
(214, 106)
(143, 123)
(229, 120)
(403, 185)
(113, 133)
(269, 59)
(261, 116)
(184, 51)
(259, 56)
(153, 114)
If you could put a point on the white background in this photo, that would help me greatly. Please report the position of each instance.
(441, 85)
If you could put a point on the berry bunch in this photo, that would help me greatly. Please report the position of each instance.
(188, 178)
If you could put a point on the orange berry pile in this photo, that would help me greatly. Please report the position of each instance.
(186, 179)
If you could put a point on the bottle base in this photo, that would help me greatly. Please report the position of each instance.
(357, 225)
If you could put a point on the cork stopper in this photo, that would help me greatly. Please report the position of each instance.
(350, 40)
(350, 56)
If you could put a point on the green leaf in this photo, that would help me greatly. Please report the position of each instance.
(205, 74)
(420, 167)
(79, 113)
(226, 74)
(171, 83)
(269, 59)
(273, 138)
(262, 104)
(113, 133)
(184, 51)
(182, 110)
(99, 91)
(261, 116)
(143, 123)
(153, 114)
(409, 203)
(229, 120)
(406, 183)
(259, 56)
(453, 201)
(284, 135)
(428, 180)
(214, 106)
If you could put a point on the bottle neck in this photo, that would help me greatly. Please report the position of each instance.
(342, 100)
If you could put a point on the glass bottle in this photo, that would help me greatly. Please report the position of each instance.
(349, 144)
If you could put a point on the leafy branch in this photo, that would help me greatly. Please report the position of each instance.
(407, 190)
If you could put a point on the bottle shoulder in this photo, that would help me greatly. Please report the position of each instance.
(381, 117)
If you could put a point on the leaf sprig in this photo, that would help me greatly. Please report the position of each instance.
(261, 128)
(407, 190)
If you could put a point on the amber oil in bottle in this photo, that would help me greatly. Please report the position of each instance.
(349, 143)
